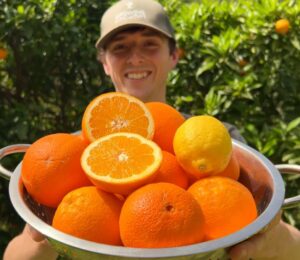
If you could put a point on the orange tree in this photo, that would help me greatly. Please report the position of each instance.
(48, 76)
(234, 65)
(241, 65)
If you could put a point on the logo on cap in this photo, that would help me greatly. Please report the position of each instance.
(129, 5)
(130, 14)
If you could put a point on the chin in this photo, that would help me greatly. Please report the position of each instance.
(138, 94)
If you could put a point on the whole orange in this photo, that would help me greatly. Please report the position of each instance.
(3, 54)
(181, 53)
(282, 26)
(166, 121)
(160, 215)
(227, 205)
(170, 171)
(232, 170)
(91, 214)
(51, 167)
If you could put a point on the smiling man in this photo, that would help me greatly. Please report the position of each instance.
(137, 48)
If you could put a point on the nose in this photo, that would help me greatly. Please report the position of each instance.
(135, 56)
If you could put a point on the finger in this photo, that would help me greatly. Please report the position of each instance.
(275, 221)
(258, 246)
(245, 249)
(35, 235)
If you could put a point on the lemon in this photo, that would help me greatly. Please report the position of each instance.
(202, 146)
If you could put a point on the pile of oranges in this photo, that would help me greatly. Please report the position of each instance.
(140, 175)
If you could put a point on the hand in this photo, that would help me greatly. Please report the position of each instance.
(34, 234)
(29, 245)
(279, 241)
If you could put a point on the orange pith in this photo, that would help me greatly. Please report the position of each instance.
(116, 112)
(121, 162)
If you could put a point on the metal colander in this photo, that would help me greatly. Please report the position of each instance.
(258, 174)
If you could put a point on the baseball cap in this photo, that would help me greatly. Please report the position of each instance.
(127, 13)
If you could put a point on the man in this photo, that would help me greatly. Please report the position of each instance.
(137, 49)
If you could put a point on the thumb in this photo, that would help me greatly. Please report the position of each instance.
(34, 234)
(258, 245)
(244, 250)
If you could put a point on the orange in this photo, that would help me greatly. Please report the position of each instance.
(116, 112)
(90, 214)
(227, 205)
(121, 162)
(181, 53)
(242, 62)
(51, 167)
(3, 54)
(166, 121)
(160, 215)
(170, 171)
(202, 146)
(282, 26)
(232, 170)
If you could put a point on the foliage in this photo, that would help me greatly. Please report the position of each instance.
(235, 67)
(49, 76)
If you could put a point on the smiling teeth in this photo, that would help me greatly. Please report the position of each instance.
(137, 75)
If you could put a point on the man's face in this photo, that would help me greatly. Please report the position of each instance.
(138, 63)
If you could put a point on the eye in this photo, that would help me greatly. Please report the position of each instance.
(119, 48)
(151, 44)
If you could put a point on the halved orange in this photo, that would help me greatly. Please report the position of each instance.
(121, 162)
(115, 112)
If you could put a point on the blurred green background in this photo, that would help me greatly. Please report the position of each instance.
(234, 66)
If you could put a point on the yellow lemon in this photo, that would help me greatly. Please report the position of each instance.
(202, 146)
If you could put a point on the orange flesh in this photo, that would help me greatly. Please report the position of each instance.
(127, 118)
(118, 159)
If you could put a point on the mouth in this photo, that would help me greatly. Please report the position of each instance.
(137, 75)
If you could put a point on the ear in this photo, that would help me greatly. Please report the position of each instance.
(174, 58)
(102, 59)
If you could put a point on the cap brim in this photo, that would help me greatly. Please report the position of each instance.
(104, 39)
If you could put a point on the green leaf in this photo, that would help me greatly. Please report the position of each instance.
(20, 9)
(293, 124)
(206, 65)
(295, 42)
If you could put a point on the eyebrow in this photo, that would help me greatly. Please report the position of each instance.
(148, 33)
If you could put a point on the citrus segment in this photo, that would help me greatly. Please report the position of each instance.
(121, 162)
(116, 112)
(160, 215)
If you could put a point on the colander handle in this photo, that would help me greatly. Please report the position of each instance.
(290, 169)
(11, 149)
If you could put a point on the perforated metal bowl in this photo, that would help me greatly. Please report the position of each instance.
(261, 177)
